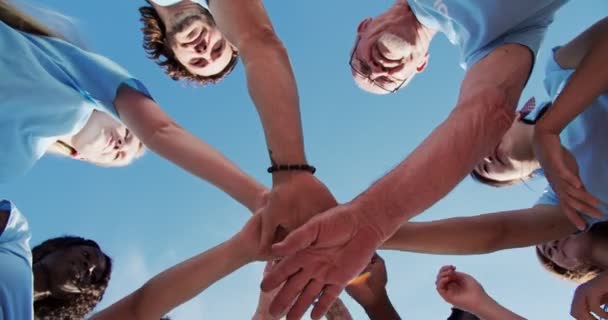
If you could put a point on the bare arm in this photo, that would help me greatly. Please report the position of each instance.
(182, 282)
(587, 54)
(485, 111)
(177, 285)
(492, 310)
(270, 78)
(483, 233)
(162, 135)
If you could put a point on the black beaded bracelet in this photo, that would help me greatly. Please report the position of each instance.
(292, 167)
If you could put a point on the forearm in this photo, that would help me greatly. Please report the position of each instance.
(482, 234)
(197, 157)
(162, 135)
(273, 90)
(270, 78)
(382, 310)
(178, 284)
(589, 80)
(439, 163)
(492, 310)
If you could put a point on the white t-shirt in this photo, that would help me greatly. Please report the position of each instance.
(166, 3)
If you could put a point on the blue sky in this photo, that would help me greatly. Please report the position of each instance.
(152, 215)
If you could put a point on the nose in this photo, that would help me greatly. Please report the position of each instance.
(201, 47)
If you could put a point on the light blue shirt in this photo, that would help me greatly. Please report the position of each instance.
(166, 3)
(478, 27)
(587, 139)
(49, 89)
(16, 279)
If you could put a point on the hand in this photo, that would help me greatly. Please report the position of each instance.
(370, 285)
(589, 297)
(294, 199)
(249, 239)
(561, 170)
(460, 289)
(322, 257)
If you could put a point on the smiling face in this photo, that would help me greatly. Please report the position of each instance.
(197, 43)
(512, 159)
(73, 269)
(388, 50)
(569, 253)
(105, 141)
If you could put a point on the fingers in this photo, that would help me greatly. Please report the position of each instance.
(573, 216)
(570, 178)
(299, 239)
(329, 295)
(580, 309)
(283, 299)
(268, 232)
(584, 202)
(311, 292)
(280, 273)
(595, 305)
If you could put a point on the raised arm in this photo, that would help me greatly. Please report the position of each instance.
(587, 54)
(483, 233)
(182, 282)
(165, 137)
(296, 195)
(484, 112)
(270, 79)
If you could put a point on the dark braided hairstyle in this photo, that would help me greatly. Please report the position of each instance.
(79, 304)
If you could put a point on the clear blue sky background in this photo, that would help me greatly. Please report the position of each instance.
(152, 215)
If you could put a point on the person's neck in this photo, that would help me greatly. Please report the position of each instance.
(167, 13)
(41, 284)
(525, 152)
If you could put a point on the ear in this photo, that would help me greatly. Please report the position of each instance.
(423, 63)
(363, 25)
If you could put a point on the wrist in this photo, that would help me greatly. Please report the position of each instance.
(373, 214)
(241, 250)
(280, 177)
(381, 308)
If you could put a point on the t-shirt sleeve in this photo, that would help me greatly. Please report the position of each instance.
(100, 78)
(530, 37)
(16, 235)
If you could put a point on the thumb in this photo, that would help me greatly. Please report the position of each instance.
(297, 240)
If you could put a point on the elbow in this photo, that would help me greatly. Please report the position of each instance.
(159, 133)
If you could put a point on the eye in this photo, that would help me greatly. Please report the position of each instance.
(217, 48)
(86, 254)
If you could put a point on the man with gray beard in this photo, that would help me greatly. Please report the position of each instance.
(498, 41)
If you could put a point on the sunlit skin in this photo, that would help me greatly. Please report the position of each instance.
(194, 39)
(105, 141)
(570, 253)
(513, 158)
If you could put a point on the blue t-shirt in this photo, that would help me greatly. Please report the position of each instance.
(16, 279)
(587, 139)
(478, 27)
(48, 89)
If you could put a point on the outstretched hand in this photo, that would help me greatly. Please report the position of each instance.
(561, 170)
(459, 289)
(293, 200)
(370, 285)
(322, 257)
(589, 297)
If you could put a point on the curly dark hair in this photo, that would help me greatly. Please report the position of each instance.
(158, 49)
(78, 306)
